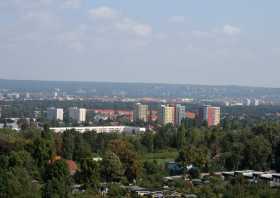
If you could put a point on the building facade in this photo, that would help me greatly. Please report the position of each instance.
(180, 114)
(141, 112)
(102, 129)
(167, 114)
(77, 114)
(55, 114)
(210, 114)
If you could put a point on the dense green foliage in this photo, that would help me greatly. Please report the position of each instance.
(27, 168)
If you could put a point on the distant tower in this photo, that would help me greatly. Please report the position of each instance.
(167, 114)
(210, 114)
(55, 114)
(141, 112)
(248, 102)
(78, 115)
(257, 102)
(180, 114)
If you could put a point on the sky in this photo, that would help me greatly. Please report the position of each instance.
(215, 42)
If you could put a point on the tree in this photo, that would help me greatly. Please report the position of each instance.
(57, 177)
(23, 124)
(148, 141)
(234, 157)
(82, 149)
(128, 157)
(115, 191)
(68, 139)
(165, 137)
(132, 166)
(42, 151)
(112, 169)
(181, 137)
(58, 169)
(16, 182)
(90, 173)
(151, 167)
(277, 157)
(191, 155)
(257, 153)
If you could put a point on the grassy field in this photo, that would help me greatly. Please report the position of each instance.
(161, 157)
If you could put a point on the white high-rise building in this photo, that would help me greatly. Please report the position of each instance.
(257, 102)
(77, 114)
(55, 114)
(248, 102)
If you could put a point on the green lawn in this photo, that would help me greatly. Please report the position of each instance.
(161, 157)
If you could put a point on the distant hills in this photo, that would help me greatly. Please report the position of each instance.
(140, 89)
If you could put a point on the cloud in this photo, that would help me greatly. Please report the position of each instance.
(103, 12)
(119, 22)
(177, 19)
(72, 3)
(231, 30)
(201, 34)
(131, 26)
(142, 29)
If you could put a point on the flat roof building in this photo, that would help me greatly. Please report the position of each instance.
(55, 114)
(141, 112)
(102, 129)
(77, 114)
(167, 114)
(210, 114)
(180, 114)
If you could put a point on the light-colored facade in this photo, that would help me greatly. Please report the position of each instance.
(77, 114)
(55, 114)
(141, 112)
(210, 114)
(167, 114)
(102, 129)
(180, 114)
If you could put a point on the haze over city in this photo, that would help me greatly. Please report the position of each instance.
(194, 41)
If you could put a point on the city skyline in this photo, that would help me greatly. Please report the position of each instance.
(178, 42)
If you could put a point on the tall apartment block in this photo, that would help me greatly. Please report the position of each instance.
(180, 114)
(167, 114)
(77, 114)
(210, 114)
(55, 114)
(141, 112)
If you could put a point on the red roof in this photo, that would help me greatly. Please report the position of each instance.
(190, 115)
(72, 166)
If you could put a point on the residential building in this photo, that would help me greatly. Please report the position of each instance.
(102, 129)
(141, 112)
(257, 102)
(77, 114)
(210, 114)
(167, 114)
(55, 114)
(190, 115)
(248, 102)
(180, 114)
(112, 114)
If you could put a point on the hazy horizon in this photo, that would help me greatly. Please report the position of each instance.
(159, 83)
(173, 42)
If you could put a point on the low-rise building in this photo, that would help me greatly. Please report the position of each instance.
(102, 129)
